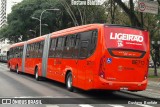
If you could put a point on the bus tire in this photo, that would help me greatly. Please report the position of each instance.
(10, 69)
(36, 74)
(69, 82)
(17, 69)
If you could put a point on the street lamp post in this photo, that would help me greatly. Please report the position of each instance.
(35, 32)
(40, 19)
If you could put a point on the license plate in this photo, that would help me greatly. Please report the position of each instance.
(124, 88)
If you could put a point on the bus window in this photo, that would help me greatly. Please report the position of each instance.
(58, 52)
(72, 45)
(66, 49)
(13, 52)
(52, 47)
(17, 53)
(93, 42)
(41, 45)
(76, 46)
(21, 52)
(36, 50)
(28, 49)
(84, 49)
(85, 42)
(33, 50)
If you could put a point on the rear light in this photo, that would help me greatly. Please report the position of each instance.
(126, 53)
(146, 74)
(102, 74)
(102, 67)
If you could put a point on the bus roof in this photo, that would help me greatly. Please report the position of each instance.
(37, 39)
(17, 44)
(126, 26)
(75, 29)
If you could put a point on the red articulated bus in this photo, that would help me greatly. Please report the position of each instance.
(94, 56)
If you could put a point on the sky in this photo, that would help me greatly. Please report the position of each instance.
(10, 3)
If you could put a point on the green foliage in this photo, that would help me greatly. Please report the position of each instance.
(20, 22)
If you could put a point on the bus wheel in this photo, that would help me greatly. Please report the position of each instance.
(36, 75)
(10, 69)
(17, 69)
(69, 82)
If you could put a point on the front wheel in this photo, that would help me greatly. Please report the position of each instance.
(17, 69)
(10, 69)
(36, 75)
(69, 82)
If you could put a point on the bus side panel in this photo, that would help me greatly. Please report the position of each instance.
(54, 71)
(27, 65)
(13, 63)
(50, 71)
(20, 64)
(100, 54)
(32, 65)
(91, 70)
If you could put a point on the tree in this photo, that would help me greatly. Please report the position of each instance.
(130, 12)
(20, 22)
(143, 20)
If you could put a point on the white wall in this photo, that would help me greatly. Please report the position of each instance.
(4, 46)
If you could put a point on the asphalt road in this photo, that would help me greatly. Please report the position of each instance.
(22, 86)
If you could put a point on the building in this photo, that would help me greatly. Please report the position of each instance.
(4, 46)
(5, 9)
(3, 14)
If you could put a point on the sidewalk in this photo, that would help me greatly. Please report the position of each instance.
(152, 91)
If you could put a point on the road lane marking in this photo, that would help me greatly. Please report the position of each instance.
(115, 105)
(85, 105)
(143, 105)
(52, 106)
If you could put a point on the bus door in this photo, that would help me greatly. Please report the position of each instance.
(27, 59)
(51, 59)
(57, 61)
